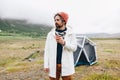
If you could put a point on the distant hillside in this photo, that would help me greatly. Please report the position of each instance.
(23, 27)
(101, 35)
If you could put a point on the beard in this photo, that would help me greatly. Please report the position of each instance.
(57, 25)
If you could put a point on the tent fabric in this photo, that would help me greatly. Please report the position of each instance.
(86, 52)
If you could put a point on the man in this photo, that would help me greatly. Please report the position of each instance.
(59, 48)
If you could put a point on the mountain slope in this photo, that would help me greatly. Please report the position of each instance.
(23, 27)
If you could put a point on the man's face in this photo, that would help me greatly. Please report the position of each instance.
(58, 22)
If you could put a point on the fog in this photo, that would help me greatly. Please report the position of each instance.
(85, 16)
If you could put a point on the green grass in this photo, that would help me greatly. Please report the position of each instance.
(14, 69)
(108, 50)
(100, 77)
(18, 66)
(112, 64)
(13, 38)
(39, 61)
(7, 61)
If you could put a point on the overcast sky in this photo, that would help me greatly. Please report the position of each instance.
(85, 16)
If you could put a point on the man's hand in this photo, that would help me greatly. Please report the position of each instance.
(59, 39)
(46, 70)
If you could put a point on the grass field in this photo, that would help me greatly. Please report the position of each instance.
(14, 66)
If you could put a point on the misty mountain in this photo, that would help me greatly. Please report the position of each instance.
(101, 35)
(23, 27)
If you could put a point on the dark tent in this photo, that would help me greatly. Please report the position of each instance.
(85, 53)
